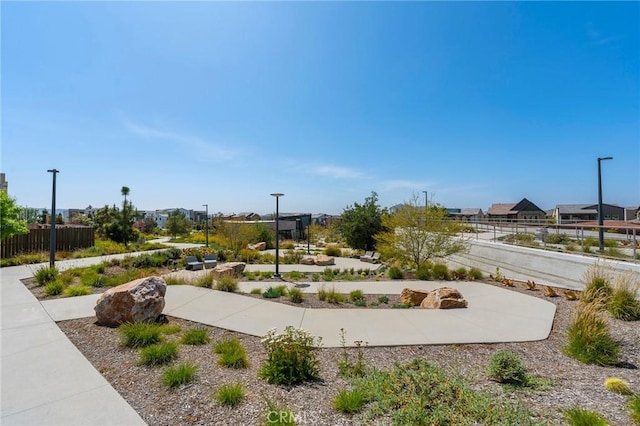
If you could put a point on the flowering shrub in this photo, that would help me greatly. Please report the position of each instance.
(291, 357)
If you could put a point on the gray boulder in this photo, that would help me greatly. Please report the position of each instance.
(141, 300)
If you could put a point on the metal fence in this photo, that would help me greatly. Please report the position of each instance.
(68, 238)
(581, 237)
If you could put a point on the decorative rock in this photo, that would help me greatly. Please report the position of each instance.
(141, 300)
(324, 260)
(258, 246)
(230, 268)
(444, 298)
(308, 260)
(412, 297)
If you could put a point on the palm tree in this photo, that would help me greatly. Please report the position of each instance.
(125, 192)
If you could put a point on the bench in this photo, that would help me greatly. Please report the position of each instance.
(210, 261)
(193, 264)
(367, 256)
(374, 258)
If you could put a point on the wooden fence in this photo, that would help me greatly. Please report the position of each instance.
(68, 238)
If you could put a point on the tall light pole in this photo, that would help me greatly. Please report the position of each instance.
(52, 238)
(277, 195)
(206, 224)
(600, 214)
(426, 200)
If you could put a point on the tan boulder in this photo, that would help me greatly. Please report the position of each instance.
(308, 260)
(141, 300)
(232, 269)
(258, 246)
(412, 297)
(444, 298)
(324, 260)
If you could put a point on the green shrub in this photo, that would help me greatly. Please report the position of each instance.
(333, 296)
(53, 288)
(291, 357)
(360, 302)
(328, 274)
(296, 295)
(383, 299)
(634, 408)
(619, 386)
(418, 393)
(250, 276)
(46, 274)
(158, 354)
(322, 294)
(402, 306)
(77, 290)
(424, 273)
(230, 394)
(588, 335)
(282, 289)
(356, 295)
(256, 291)
(557, 238)
(205, 281)
(231, 353)
(315, 278)
(174, 280)
(179, 375)
(138, 335)
(228, 284)
(581, 417)
(295, 275)
(395, 273)
(506, 367)
(441, 272)
(350, 401)
(333, 251)
(460, 273)
(271, 293)
(196, 336)
(475, 274)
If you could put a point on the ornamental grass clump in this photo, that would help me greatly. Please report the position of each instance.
(54, 288)
(623, 303)
(580, 417)
(158, 354)
(589, 340)
(350, 401)
(230, 394)
(598, 284)
(295, 295)
(228, 284)
(196, 336)
(179, 375)
(46, 274)
(619, 386)
(140, 334)
(634, 407)
(77, 290)
(231, 353)
(291, 357)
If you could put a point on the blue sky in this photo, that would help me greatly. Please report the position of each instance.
(225, 103)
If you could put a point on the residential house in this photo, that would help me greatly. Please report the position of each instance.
(466, 214)
(524, 210)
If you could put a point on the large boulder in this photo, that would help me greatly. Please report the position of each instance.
(444, 298)
(412, 297)
(141, 300)
(308, 260)
(324, 260)
(233, 269)
(258, 246)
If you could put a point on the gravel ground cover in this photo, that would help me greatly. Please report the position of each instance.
(572, 383)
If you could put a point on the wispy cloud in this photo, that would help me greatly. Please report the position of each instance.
(336, 172)
(201, 147)
(598, 38)
(392, 185)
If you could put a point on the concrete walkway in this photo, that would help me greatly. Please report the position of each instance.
(494, 314)
(46, 380)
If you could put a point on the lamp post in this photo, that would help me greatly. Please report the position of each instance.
(277, 195)
(600, 215)
(206, 224)
(426, 200)
(52, 238)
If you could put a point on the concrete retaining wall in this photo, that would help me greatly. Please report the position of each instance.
(523, 263)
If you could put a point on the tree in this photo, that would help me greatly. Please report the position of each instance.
(177, 223)
(360, 223)
(10, 223)
(44, 215)
(59, 219)
(237, 235)
(126, 223)
(415, 234)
